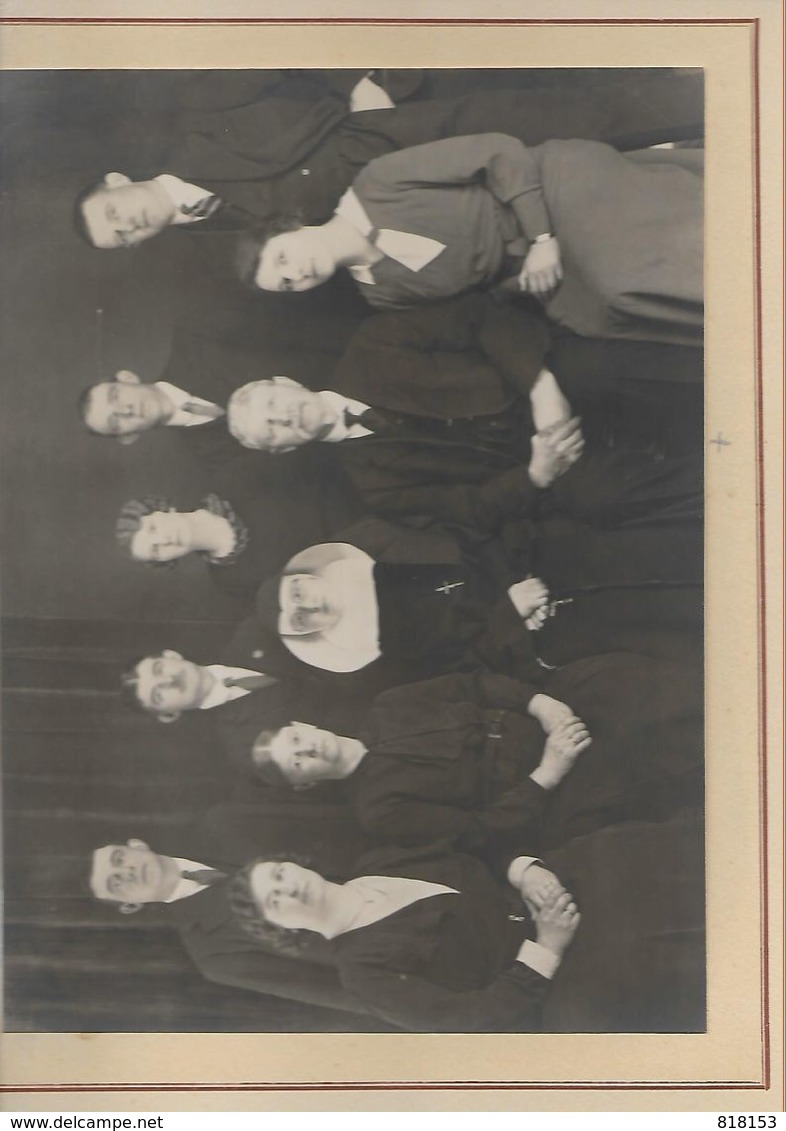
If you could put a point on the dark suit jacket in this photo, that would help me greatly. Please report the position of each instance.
(462, 360)
(465, 359)
(230, 837)
(253, 148)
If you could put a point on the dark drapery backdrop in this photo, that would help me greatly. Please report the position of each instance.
(81, 771)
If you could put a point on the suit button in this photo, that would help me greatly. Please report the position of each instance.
(305, 172)
(257, 654)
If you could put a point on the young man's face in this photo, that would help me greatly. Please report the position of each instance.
(168, 684)
(124, 213)
(123, 408)
(129, 873)
(277, 415)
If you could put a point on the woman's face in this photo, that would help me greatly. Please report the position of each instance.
(162, 537)
(307, 604)
(294, 261)
(306, 754)
(288, 895)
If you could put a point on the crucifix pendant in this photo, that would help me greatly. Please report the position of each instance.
(446, 586)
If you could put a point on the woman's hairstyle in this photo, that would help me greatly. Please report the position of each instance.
(129, 521)
(250, 244)
(251, 919)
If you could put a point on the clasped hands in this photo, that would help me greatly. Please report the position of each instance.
(553, 910)
(554, 450)
(530, 599)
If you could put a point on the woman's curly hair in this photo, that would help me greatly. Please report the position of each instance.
(251, 919)
(250, 244)
(129, 521)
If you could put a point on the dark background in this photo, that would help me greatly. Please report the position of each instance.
(80, 770)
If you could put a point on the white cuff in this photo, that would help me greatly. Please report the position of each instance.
(518, 867)
(542, 961)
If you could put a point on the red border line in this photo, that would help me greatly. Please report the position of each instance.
(760, 559)
(367, 22)
(765, 1083)
(392, 1085)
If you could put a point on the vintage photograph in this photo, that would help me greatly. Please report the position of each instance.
(353, 550)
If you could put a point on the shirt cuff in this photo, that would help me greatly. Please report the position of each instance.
(542, 961)
(518, 867)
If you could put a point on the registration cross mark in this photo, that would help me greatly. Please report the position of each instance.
(720, 442)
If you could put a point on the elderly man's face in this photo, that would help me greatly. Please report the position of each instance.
(277, 415)
(124, 213)
(307, 604)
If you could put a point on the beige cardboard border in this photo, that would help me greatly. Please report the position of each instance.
(734, 1051)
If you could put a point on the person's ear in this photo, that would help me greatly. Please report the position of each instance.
(133, 842)
(126, 377)
(128, 437)
(116, 180)
(168, 716)
(130, 908)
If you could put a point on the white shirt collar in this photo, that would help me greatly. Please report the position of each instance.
(183, 888)
(385, 895)
(183, 195)
(219, 692)
(340, 431)
(180, 418)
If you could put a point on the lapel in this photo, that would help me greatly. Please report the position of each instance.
(207, 911)
(465, 389)
(424, 459)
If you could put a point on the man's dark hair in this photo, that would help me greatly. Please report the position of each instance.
(83, 407)
(267, 771)
(129, 686)
(250, 244)
(78, 215)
